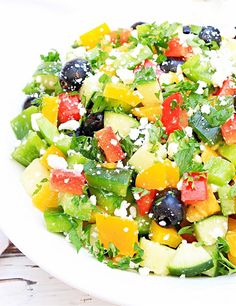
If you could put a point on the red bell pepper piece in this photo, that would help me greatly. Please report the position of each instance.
(194, 187)
(228, 130)
(67, 181)
(228, 89)
(175, 49)
(121, 36)
(68, 107)
(173, 116)
(109, 143)
(145, 202)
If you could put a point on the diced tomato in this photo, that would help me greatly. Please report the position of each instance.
(121, 36)
(175, 49)
(189, 238)
(173, 116)
(67, 181)
(228, 89)
(109, 143)
(68, 107)
(228, 130)
(194, 187)
(145, 202)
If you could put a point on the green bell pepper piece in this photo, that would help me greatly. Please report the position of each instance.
(21, 124)
(228, 204)
(197, 68)
(220, 171)
(57, 221)
(29, 149)
(229, 152)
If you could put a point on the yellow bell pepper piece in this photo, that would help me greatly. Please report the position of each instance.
(166, 236)
(108, 70)
(52, 150)
(123, 233)
(232, 224)
(231, 239)
(109, 165)
(149, 92)
(91, 38)
(208, 153)
(232, 258)
(121, 92)
(159, 176)
(150, 112)
(50, 108)
(202, 209)
(45, 197)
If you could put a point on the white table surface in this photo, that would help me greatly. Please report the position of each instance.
(22, 283)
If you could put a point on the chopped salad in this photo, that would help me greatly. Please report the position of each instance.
(129, 147)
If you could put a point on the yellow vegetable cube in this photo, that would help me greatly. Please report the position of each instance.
(91, 38)
(167, 236)
(45, 197)
(50, 109)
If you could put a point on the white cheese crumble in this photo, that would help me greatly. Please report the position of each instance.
(71, 125)
(162, 223)
(93, 200)
(114, 79)
(134, 133)
(34, 118)
(82, 109)
(78, 168)
(206, 109)
(114, 142)
(126, 229)
(214, 188)
(189, 131)
(133, 212)
(126, 75)
(180, 184)
(122, 211)
(172, 149)
(56, 162)
(201, 86)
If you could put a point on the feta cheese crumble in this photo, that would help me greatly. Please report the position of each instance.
(56, 162)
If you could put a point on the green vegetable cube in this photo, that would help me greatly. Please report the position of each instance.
(29, 149)
(220, 171)
(228, 203)
(229, 152)
(21, 124)
(57, 221)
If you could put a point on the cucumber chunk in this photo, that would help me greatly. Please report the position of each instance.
(52, 136)
(190, 260)
(142, 159)
(120, 123)
(156, 257)
(116, 181)
(212, 250)
(208, 230)
(228, 204)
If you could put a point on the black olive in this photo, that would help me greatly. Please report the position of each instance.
(171, 64)
(94, 122)
(29, 101)
(186, 29)
(210, 34)
(73, 74)
(234, 96)
(134, 26)
(167, 209)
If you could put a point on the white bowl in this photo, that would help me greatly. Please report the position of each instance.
(32, 30)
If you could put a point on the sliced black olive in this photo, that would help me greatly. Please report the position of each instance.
(167, 209)
(29, 101)
(73, 74)
(186, 29)
(171, 64)
(94, 122)
(210, 34)
(134, 26)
